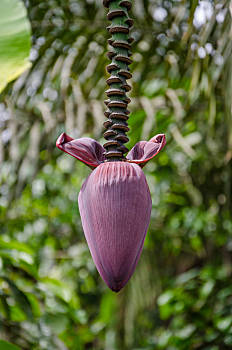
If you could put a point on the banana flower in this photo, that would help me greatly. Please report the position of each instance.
(115, 205)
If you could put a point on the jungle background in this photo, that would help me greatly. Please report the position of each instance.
(180, 296)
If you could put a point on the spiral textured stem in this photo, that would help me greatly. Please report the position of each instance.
(117, 102)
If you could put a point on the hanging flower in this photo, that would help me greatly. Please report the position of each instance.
(115, 205)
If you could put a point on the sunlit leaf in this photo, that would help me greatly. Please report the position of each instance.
(14, 40)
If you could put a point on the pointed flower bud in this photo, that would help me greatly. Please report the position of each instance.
(115, 205)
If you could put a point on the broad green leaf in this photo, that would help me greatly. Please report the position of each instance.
(14, 40)
(7, 346)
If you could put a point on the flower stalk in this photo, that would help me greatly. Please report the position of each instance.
(117, 102)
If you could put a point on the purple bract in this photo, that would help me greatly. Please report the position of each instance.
(115, 205)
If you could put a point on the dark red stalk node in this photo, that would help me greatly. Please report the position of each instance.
(115, 201)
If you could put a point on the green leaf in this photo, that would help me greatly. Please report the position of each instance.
(107, 307)
(20, 297)
(5, 306)
(57, 322)
(22, 247)
(7, 346)
(14, 41)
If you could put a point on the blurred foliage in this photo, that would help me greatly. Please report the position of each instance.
(180, 297)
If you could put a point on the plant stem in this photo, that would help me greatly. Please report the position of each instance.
(117, 112)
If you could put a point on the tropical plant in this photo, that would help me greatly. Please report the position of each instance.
(180, 295)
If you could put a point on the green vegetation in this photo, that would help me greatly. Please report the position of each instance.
(180, 297)
(14, 40)
(7, 346)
